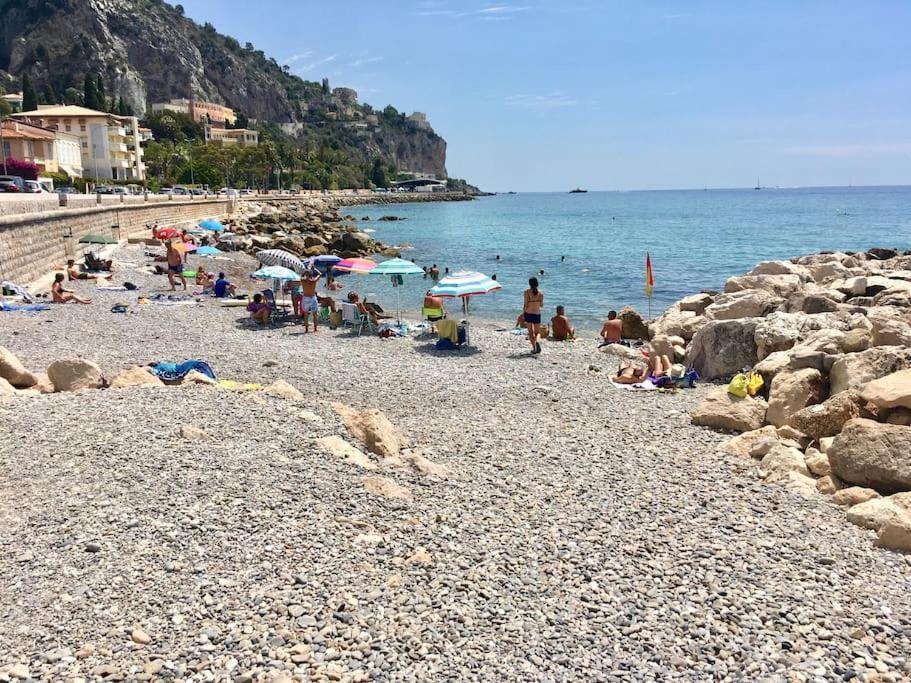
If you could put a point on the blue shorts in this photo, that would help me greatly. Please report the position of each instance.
(176, 269)
(532, 318)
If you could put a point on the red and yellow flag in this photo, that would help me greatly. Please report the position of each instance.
(649, 276)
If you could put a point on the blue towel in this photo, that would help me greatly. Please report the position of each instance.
(173, 372)
(4, 306)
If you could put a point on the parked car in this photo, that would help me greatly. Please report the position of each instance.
(11, 183)
(180, 191)
(166, 190)
(67, 190)
(198, 192)
(246, 192)
(34, 187)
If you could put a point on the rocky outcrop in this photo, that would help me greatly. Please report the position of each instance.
(854, 370)
(721, 410)
(73, 374)
(791, 391)
(891, 391)
(722, 348)
(828, 418)
(872, 454)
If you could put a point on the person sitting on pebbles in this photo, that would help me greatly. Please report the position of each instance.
(61, 295)
(73, 273)
(560, 327)
(259, 310)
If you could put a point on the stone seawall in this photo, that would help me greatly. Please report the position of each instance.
(32, 244)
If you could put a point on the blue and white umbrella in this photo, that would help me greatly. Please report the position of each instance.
(275, 273)
(465, 283)
(280, 257)
(212, 225)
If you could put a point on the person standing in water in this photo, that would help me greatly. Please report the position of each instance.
(534, 301)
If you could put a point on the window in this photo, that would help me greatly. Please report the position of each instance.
(50, 151)
(82, 127)
(68, 128)
(29, 150)
(85, 145)
(6, 150)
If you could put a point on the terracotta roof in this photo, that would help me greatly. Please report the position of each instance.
(15, 130)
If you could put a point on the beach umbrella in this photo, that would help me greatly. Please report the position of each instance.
(208, 251)
(212, 225)
(165, 233)
(275, 273)
(355, 265)
(280, 257)
(97, 239)
(184, 247)
(330, 259)
(465, 284)
(395, 268)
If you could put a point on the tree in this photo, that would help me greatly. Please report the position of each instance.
(378, 174)
(29, 96)
(173, 125)
(241, 120)
(102, 101)
(90, 92)
(48, 94)
(5, 109)
(391, 112)
(325, 86)
(73, 96)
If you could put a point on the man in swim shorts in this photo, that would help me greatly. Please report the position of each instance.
(175, 265)
(612, 332)
(309, 303)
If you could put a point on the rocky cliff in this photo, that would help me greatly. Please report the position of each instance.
(147, 51)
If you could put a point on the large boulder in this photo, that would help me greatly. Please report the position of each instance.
(677, 323)
(357, 241)
(373, 428)
(781, 268)
(771, 365)
(747, 303)
(696, 303)
(73, 374)
(662, 345)
(743, 444)
(832, 270)
(780, 460)
(854, 370)
(891, 391)
(827, 418)
(792, 391)
(723, 347)
(14, 372)
(721, 410)
(135, 376)
(890, 329)
(780, 331)
(895, 534)
(778, 285)
(872, 454)
(877, 512)
(633, 325)
(856, 340)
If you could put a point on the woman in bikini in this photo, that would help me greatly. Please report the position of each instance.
(534, 301)
(61, 295)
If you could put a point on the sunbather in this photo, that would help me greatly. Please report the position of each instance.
(362, 308)
(612, 332)
(222, 288)
(73, 273)
(259, 309)
(433, 306)
(560, 326)
(61, 295)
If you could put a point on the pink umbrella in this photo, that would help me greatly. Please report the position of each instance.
(355, 265)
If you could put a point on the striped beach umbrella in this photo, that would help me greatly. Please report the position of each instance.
(280, 257)
(397, 266)
(275, 273)
(465, 283)
(355, 265)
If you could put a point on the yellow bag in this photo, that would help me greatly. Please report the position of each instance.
(754, 383)
(738, 385)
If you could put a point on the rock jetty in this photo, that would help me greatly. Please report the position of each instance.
(830, 335)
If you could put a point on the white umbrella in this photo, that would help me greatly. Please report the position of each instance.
(280, 257)
(465, 284)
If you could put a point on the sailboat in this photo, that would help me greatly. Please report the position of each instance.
(758, 186)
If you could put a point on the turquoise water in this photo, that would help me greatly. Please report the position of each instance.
(697, 239)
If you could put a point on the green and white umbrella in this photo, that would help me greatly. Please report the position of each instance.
(396, 268)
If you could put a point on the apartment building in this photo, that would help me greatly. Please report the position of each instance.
(201, 112)
(232, 136)
(109, 144)
(50, 150)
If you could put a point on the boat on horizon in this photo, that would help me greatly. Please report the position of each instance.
(578, 190)
(758, 186)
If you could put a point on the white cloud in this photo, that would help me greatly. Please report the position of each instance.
(312, 65)
(364, 61)
(541, 102)
(502, 9)
(297, 57)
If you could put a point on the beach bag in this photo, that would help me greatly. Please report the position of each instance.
(754, 383)
(738, 385)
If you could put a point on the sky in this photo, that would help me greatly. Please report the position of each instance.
(548, 95)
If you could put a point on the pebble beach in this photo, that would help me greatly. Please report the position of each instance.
(552, 527)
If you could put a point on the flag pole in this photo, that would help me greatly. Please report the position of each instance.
(649, 282)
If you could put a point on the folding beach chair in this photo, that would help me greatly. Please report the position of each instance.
(277, 313)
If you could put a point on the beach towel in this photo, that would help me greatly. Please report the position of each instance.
(448, 329)
(4, 306)
(641, 386)
(174, 372)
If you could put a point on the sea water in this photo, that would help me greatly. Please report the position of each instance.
(592, 246)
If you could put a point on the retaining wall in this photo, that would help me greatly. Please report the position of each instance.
(32, 244)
